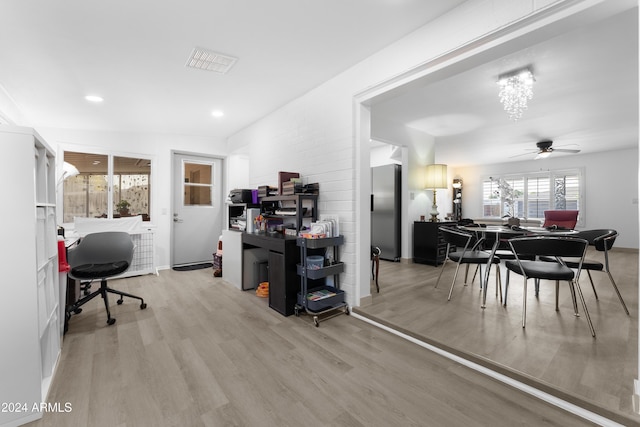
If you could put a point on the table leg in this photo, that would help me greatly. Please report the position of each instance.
(487, 271)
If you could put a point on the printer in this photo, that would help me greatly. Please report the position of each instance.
(243, 196)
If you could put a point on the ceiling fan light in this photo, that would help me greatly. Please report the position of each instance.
(544, 154)
(94, 98)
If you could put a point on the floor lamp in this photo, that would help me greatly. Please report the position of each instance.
(435, 178)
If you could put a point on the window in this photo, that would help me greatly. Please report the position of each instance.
(88, 194)
(198, 186)
(532, 194)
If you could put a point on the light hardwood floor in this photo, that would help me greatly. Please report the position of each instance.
(206, 354)
(555, 352)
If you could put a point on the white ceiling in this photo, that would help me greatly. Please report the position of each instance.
(585, 97)
(133, 53)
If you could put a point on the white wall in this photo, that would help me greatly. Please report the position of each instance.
(320, 133)
(611, 183)
(159, 148)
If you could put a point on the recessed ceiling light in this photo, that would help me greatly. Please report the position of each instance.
(217, 113)
(94, 98)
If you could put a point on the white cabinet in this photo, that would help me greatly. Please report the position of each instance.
(29, 308)
(232, 257)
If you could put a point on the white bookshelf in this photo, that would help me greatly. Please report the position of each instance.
(30, 326)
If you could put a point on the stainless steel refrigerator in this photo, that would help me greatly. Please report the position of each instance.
(386, 210)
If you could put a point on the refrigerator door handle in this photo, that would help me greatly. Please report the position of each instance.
(372, 203)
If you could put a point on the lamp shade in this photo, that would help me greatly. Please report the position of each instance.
(436, 176)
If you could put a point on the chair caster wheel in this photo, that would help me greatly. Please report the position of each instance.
(111, 321)
(143, 306)
(119, 301)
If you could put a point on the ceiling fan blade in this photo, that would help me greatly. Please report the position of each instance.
(524, 154)
(564, 150)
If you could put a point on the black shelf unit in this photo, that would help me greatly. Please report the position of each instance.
(332, 305)
(269, 204)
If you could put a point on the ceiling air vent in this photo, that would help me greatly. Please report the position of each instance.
(204, 59)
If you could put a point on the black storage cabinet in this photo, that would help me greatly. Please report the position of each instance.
(428, 245)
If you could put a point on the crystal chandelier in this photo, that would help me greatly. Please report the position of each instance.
(516, 89)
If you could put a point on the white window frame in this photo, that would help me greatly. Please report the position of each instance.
(110, 156)
(551, 175)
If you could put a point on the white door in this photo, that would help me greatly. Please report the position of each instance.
(197, 208)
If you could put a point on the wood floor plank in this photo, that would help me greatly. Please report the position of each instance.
(206, 354)
(555, 348)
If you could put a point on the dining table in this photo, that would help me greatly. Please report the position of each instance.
(502, 233)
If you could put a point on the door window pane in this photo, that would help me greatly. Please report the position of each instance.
(198, 184)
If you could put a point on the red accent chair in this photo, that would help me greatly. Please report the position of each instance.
(561, 218)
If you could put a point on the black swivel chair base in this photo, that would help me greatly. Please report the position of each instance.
(103, 291)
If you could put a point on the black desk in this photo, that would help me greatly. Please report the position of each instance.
(284, 255)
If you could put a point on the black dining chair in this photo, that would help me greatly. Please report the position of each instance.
(468, 250)
(502, 249)
(602, 240)
(375, 262)
(548, 246)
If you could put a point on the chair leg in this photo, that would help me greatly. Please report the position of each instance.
(377, 273)
(574, 301)
(524, 303)
(104, 291)
(557, 294)
(124, 294)
(592, 286)
(498, 282)
(441, 270)
(613, 282)
(453, 282)
(506, 288)
(375, 262)
(475, 273)
(75, 307)
(584, 306)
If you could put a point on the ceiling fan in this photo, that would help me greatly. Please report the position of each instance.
(545, 149)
